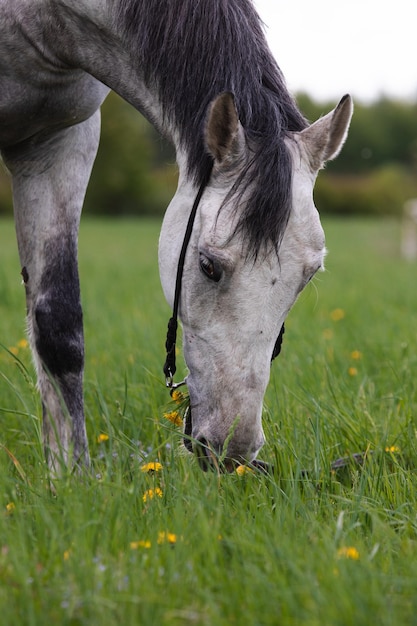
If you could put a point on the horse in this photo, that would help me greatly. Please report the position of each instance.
(202, 73)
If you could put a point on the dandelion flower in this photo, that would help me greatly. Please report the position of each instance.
(337, 314)
(10, 507)
(177, 396)
(14, 350)
(66, 555)
(23, 343)
(151, 493)
(102, 438)
(134, 545)
(348, 552)
(352, 371)
(151, 467)
(241, 470)
(165, 537)
(356, 355)
(174, 417)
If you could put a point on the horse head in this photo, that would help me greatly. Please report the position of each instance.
(234, 301)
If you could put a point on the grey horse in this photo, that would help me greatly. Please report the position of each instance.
(202, 73)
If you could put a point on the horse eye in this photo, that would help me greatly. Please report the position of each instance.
(212, 269)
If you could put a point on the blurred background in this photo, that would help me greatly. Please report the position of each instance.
(135, 171)
(325, 49)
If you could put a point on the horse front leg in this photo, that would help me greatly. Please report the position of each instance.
(56, 332)
(49, 180)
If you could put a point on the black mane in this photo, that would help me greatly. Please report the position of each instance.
(192, 50)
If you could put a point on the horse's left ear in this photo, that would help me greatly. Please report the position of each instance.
(223, 134)
(324, 139)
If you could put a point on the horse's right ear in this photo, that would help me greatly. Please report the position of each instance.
(223, 133)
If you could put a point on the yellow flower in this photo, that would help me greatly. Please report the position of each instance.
(23, 343)
(102, 437)
(165, 537)
(327, 333)
(134, 545)
(14, 350)
(356, 355)
(151, 493)
(177, 396)
(174, 417)
(348, 552)
(337, 314)
(151, 467)
(10, 507)
(241, 470)
(352, 371)
(392, 449)
(67, 554)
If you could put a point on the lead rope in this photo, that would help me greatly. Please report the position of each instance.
(170, 344)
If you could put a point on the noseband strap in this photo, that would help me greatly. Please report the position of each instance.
(170, 344)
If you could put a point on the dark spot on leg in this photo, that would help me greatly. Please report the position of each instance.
(59, 336)
(57, 313)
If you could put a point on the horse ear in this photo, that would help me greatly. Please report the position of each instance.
(324, 139)
(224, 135)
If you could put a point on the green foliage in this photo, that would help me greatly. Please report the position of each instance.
(305, 545)
(135, 171)
(381, 133)
(5, 192)
(376, 170)
(383, 191)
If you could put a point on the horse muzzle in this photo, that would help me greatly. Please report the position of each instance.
(213, 455)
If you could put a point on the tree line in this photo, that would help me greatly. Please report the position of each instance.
(135, 171)
(376, 171)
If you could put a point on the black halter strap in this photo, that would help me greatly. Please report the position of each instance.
(170, 363)
(278, 343)
(170, 344)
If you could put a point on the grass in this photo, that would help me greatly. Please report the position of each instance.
(307, 545)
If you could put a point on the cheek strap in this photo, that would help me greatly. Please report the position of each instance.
(171, 338)
(278, 343)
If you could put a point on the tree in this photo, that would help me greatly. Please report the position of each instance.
(134, 172)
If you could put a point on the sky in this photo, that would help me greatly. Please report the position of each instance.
(327, 48)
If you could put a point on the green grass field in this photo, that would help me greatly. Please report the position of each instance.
(307, 545)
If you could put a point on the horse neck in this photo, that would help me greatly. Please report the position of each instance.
(87, 38)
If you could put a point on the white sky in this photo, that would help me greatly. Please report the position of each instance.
(328, 48)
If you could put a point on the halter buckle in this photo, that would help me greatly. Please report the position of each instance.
(169, 383)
